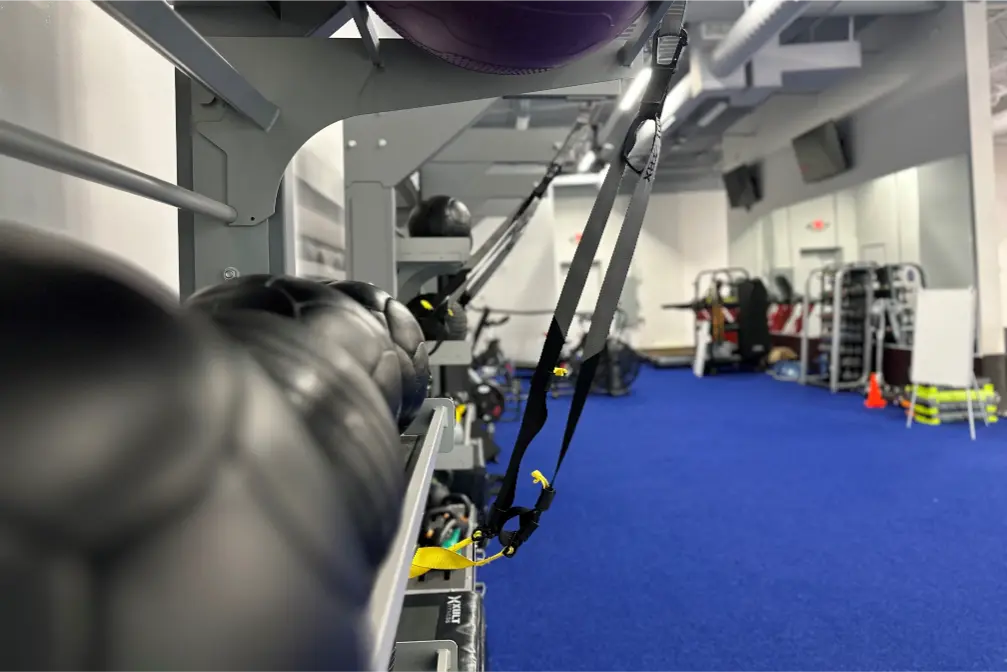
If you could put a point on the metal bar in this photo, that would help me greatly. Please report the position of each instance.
(25, 145)
(164, 30)
(365, 26)
(435, 422)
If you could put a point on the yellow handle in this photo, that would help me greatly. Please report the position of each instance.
(426, 304)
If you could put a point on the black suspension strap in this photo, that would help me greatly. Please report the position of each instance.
(637, 161)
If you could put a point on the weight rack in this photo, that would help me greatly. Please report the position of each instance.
(843, 356)
(251, 88)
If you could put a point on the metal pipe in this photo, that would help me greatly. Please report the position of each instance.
(760, 23)
(25, 145)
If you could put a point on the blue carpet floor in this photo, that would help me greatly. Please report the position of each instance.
(741, 523)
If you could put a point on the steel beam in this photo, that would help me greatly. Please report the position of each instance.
(504, 145)
(157, 24)
(310, 18)
(382, 151)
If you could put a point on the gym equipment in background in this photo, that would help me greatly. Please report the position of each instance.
(406, 334)
(734, 312)
(845, 294)
(509, 38)
(716, 287)
(156, 484)
(893, 311)
(332, 320)
(440, 217)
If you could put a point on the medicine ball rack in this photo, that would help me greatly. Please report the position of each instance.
(252, 87)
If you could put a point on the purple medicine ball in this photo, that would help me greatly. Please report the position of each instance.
(509, 37)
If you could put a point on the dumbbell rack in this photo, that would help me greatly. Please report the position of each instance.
(843, 357)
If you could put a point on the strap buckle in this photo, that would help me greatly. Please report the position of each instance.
(528, 520)
(665, 52)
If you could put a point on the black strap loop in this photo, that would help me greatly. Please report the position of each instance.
(638, 160)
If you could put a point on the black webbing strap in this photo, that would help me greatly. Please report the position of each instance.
(637, 161)
(491, 253)
(475, 282)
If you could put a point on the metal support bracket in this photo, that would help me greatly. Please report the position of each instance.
(316, 82)
(368, 33)
(164, 30)
(316, 98)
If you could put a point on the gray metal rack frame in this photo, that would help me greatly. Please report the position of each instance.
(251, 90)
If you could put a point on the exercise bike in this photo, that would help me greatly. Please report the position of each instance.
(619, 366)
(495, 388)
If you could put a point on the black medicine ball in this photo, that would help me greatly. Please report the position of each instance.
(440, 217)
(331, 318)
(164, 506)
(344, 412)
(445, 323)
(406, 334)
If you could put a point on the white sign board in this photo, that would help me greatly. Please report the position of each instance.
(944, 338)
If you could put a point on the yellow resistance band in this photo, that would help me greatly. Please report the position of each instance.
(435, 558)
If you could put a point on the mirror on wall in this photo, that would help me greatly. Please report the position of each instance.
(919, 215)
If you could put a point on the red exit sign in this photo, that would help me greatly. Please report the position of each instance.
(818, 225)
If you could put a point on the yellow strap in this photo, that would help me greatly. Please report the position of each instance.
(560, 371)
(426, 304)
(448, 559)
(459, 413)
(427, 558)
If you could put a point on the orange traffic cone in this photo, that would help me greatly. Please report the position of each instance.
(874, 398)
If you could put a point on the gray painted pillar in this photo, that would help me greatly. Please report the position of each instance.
(989, 233)
(370, 234)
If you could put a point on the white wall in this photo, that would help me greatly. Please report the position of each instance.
(917, 215)
(683, 233)
(71, 72)
(899, 111)
(525, 281)
(318, 191)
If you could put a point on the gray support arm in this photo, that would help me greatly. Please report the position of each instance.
(164, 30)
(309, 80)
(31, 147)
(504, 145)
(470, 182)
